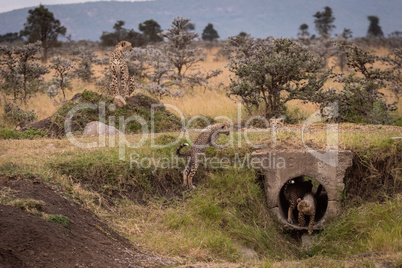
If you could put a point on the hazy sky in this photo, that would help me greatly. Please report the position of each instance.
(8, 5)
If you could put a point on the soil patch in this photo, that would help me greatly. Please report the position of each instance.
(27, 240)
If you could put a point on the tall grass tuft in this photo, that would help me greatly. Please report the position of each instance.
(372, 227)
(226, 214)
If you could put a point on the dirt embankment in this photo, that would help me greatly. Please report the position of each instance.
(27, 240)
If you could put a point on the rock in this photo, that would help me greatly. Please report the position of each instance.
(119, 101)
(307, 242)
(248, 253)
(50, 146)
(96, 128)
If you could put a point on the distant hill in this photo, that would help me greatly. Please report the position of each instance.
(260, 18)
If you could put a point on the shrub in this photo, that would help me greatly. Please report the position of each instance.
(268, 68)
(361, 100)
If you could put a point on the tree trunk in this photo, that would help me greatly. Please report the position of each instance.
(25, 83)
(45, 50)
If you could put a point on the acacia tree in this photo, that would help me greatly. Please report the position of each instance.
(62, 77)
(270, 72)
(183, 55)
(152, 70)
(361, 99)
(324, 22)
(10, 38)
(10, 78)
(347, 33)
(374, 29)
(209, 33)
(151, 30)
(42, 26)
(395, 61)
(303, 30)
(21, 75)
(85, 59)
(178, 47)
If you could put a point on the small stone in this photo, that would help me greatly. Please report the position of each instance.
(119, 101)
(50, 146)
(307, 241)
(96, 128)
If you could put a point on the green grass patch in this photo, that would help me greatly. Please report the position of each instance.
(11, 169)
(30, 205)
(372, 227)
(57, 219)
(30, 134)
(226, 213)
(104, 172)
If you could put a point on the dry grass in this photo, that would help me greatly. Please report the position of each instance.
(191, 224)
(210, 101)
(180, 229)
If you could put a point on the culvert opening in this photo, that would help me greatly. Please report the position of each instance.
(322, 201)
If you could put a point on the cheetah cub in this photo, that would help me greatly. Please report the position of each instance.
(207, 137)
(294, 190)
(307, 206)
(276, 122)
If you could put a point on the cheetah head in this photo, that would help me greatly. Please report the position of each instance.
(275, 123)
(123, 46)
(303, 206)
(223, 128)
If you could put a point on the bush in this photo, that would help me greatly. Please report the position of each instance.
(16, 115)
(270, 72)
(361, 100)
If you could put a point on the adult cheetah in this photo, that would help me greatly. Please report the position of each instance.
(207, 137)
(119, 69)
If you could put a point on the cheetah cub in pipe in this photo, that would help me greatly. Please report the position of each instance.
(294, 190)
(207, 137)
(307, 206)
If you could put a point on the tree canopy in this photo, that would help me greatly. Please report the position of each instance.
(41, 25)
(178, 47)
(209, 33)
(374, 29)
(324, 22)
(270, 72)
(10, 37)
(151, 30)
(150, 34)
(20, 74)
(303, 30)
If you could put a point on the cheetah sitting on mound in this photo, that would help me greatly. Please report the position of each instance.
(307, 206)
(119, 70)
(207, 137)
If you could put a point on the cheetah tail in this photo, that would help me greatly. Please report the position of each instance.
(318, 192)
(179, 148)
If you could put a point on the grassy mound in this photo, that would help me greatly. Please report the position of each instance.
(90, 106)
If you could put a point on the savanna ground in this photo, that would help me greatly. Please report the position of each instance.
(82, 207)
